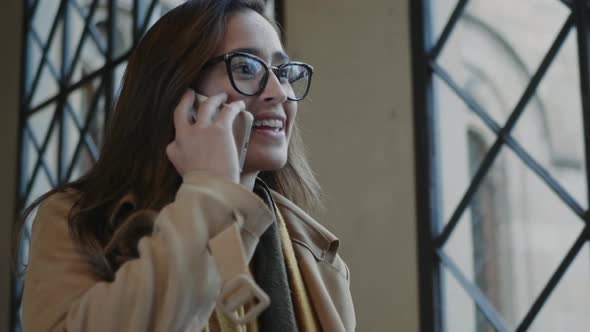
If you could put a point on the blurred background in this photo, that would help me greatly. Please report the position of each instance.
(450, 136)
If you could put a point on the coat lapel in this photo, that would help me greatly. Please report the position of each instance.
(324, 273)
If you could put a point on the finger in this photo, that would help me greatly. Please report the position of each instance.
(209, 107)
(229, 112)
(182, 112)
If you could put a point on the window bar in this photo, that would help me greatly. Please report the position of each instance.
(65, 59)
(68, 108)
(475, 293)
(108, 75)
(52, 70)
(87, 23)
(25, 75)
(31, 9)
(83, 13)
(567, 3)
(29, 134)
(31, 181)
(27, 13)
(540, 301)
(583, 28)
(83, 132)
(448, 29)
(88, 141)
(37, 77)
(512, 143)
(146, 21)
(427, 214)
(26, 63)
(135, 23)
(510, 123)
(85, 80)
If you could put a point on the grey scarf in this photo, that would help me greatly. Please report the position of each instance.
(270, 273)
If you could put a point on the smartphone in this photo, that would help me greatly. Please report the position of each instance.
(242, 128)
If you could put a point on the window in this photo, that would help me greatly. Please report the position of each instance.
(502, 103)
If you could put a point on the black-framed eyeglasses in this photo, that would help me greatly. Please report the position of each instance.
(249, 74)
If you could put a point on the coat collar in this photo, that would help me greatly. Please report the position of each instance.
(311, 237)
(303, 229)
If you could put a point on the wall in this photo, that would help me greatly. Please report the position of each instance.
(10, 27)
(358, 127)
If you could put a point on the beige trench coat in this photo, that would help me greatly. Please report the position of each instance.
(174, 283)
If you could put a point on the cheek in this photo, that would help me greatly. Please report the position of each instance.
(291, 112)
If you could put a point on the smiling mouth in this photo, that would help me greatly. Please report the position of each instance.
(270, 125)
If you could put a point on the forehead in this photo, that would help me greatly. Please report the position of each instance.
(249, 30)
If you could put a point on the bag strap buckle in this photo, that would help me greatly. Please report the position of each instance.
(239, 288)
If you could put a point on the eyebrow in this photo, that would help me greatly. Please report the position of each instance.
(277, 57)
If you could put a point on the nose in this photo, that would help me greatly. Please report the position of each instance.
(274, 91)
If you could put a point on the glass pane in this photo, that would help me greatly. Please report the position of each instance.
(43, 18)
(482, 324)
(455, 121)
(40, 186)
(47, 87)
(474, 248)
(118, 76)
(89, 43)
(35, 51)
(459, 309)
(568, 307)
(513, 236)
(91, 58)
(440, 11)
(72, 136)
(40, 121)
(527, 26)
(498, 45)
(516, 230)
(551, 127)
(81, 164)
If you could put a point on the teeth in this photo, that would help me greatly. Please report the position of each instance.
(269, 123)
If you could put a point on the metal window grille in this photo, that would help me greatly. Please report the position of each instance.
(432, 233)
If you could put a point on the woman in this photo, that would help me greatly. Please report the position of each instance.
(126, 247)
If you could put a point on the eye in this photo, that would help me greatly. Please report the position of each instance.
(245, 68)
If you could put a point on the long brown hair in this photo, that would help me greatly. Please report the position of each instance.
(133, 160)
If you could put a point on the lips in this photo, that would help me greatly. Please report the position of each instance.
(269, 125)
(269, 121)
(270, 116)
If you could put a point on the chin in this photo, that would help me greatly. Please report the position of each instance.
(257, 160)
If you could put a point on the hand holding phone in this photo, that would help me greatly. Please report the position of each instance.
(214, 139)
(242, 128)
(216, 142)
